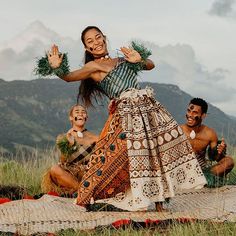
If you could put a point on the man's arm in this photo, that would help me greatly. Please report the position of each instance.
(55, 60)
(217, 149)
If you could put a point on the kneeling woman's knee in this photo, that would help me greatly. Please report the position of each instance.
(56, 170)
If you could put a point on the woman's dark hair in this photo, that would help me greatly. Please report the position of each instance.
(88, 88)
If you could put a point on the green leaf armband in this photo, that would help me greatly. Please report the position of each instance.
(43, 67)
(144, 53)
(64, 146)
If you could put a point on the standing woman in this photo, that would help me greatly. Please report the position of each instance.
(141, 150)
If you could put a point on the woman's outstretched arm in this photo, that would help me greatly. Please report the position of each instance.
(85, 72)
(148, 64)
(55, 60)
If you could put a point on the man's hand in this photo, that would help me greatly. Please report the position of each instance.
(131, 55)
(221, 148)
(54, 57)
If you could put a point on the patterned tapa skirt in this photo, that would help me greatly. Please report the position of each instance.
(142, 155)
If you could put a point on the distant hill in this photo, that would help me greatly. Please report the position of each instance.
(34, 112)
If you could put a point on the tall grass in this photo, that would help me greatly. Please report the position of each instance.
(26, 170)
(202, 228)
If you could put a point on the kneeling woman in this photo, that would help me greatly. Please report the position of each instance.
(75, 147)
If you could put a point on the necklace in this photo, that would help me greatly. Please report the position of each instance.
(106, 57)
(80, 133)
(192, 134)
(194, 130)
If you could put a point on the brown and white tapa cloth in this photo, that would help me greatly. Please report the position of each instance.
(160, 159)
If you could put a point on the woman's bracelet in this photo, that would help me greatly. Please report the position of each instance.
(144, 53)
(43, 68)
(143, 62)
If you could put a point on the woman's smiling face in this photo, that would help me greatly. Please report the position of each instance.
(95, 43)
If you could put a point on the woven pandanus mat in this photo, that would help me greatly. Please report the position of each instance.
(51, 214)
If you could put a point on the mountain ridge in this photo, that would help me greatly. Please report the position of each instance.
(34, 112)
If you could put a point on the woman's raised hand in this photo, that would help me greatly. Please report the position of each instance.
(131, 55)
(54, 57)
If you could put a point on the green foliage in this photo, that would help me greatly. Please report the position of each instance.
(144, 53)
(43, 67)
(64, 146)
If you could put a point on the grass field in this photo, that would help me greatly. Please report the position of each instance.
(27, 173)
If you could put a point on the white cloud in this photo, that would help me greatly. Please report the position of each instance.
(176, 64)
(222, 8)
(18, 56)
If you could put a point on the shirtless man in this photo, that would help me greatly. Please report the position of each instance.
(75, 147)
(201, 137)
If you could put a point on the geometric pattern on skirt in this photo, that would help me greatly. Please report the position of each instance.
(153, 158)
(108, 170)
(161, 160)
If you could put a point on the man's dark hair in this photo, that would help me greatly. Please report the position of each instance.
(200, 102)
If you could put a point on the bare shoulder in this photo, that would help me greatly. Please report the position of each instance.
(210, 132)
(209, 129)
(92, 136)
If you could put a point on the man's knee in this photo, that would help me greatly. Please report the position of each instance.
(227, 162)
(230, 162)
(224, 166)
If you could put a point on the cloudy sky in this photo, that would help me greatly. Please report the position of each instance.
(193, 42)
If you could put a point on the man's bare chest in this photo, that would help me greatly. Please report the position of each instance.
(199, 143)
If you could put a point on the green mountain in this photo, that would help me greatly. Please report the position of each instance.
(34, 112)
